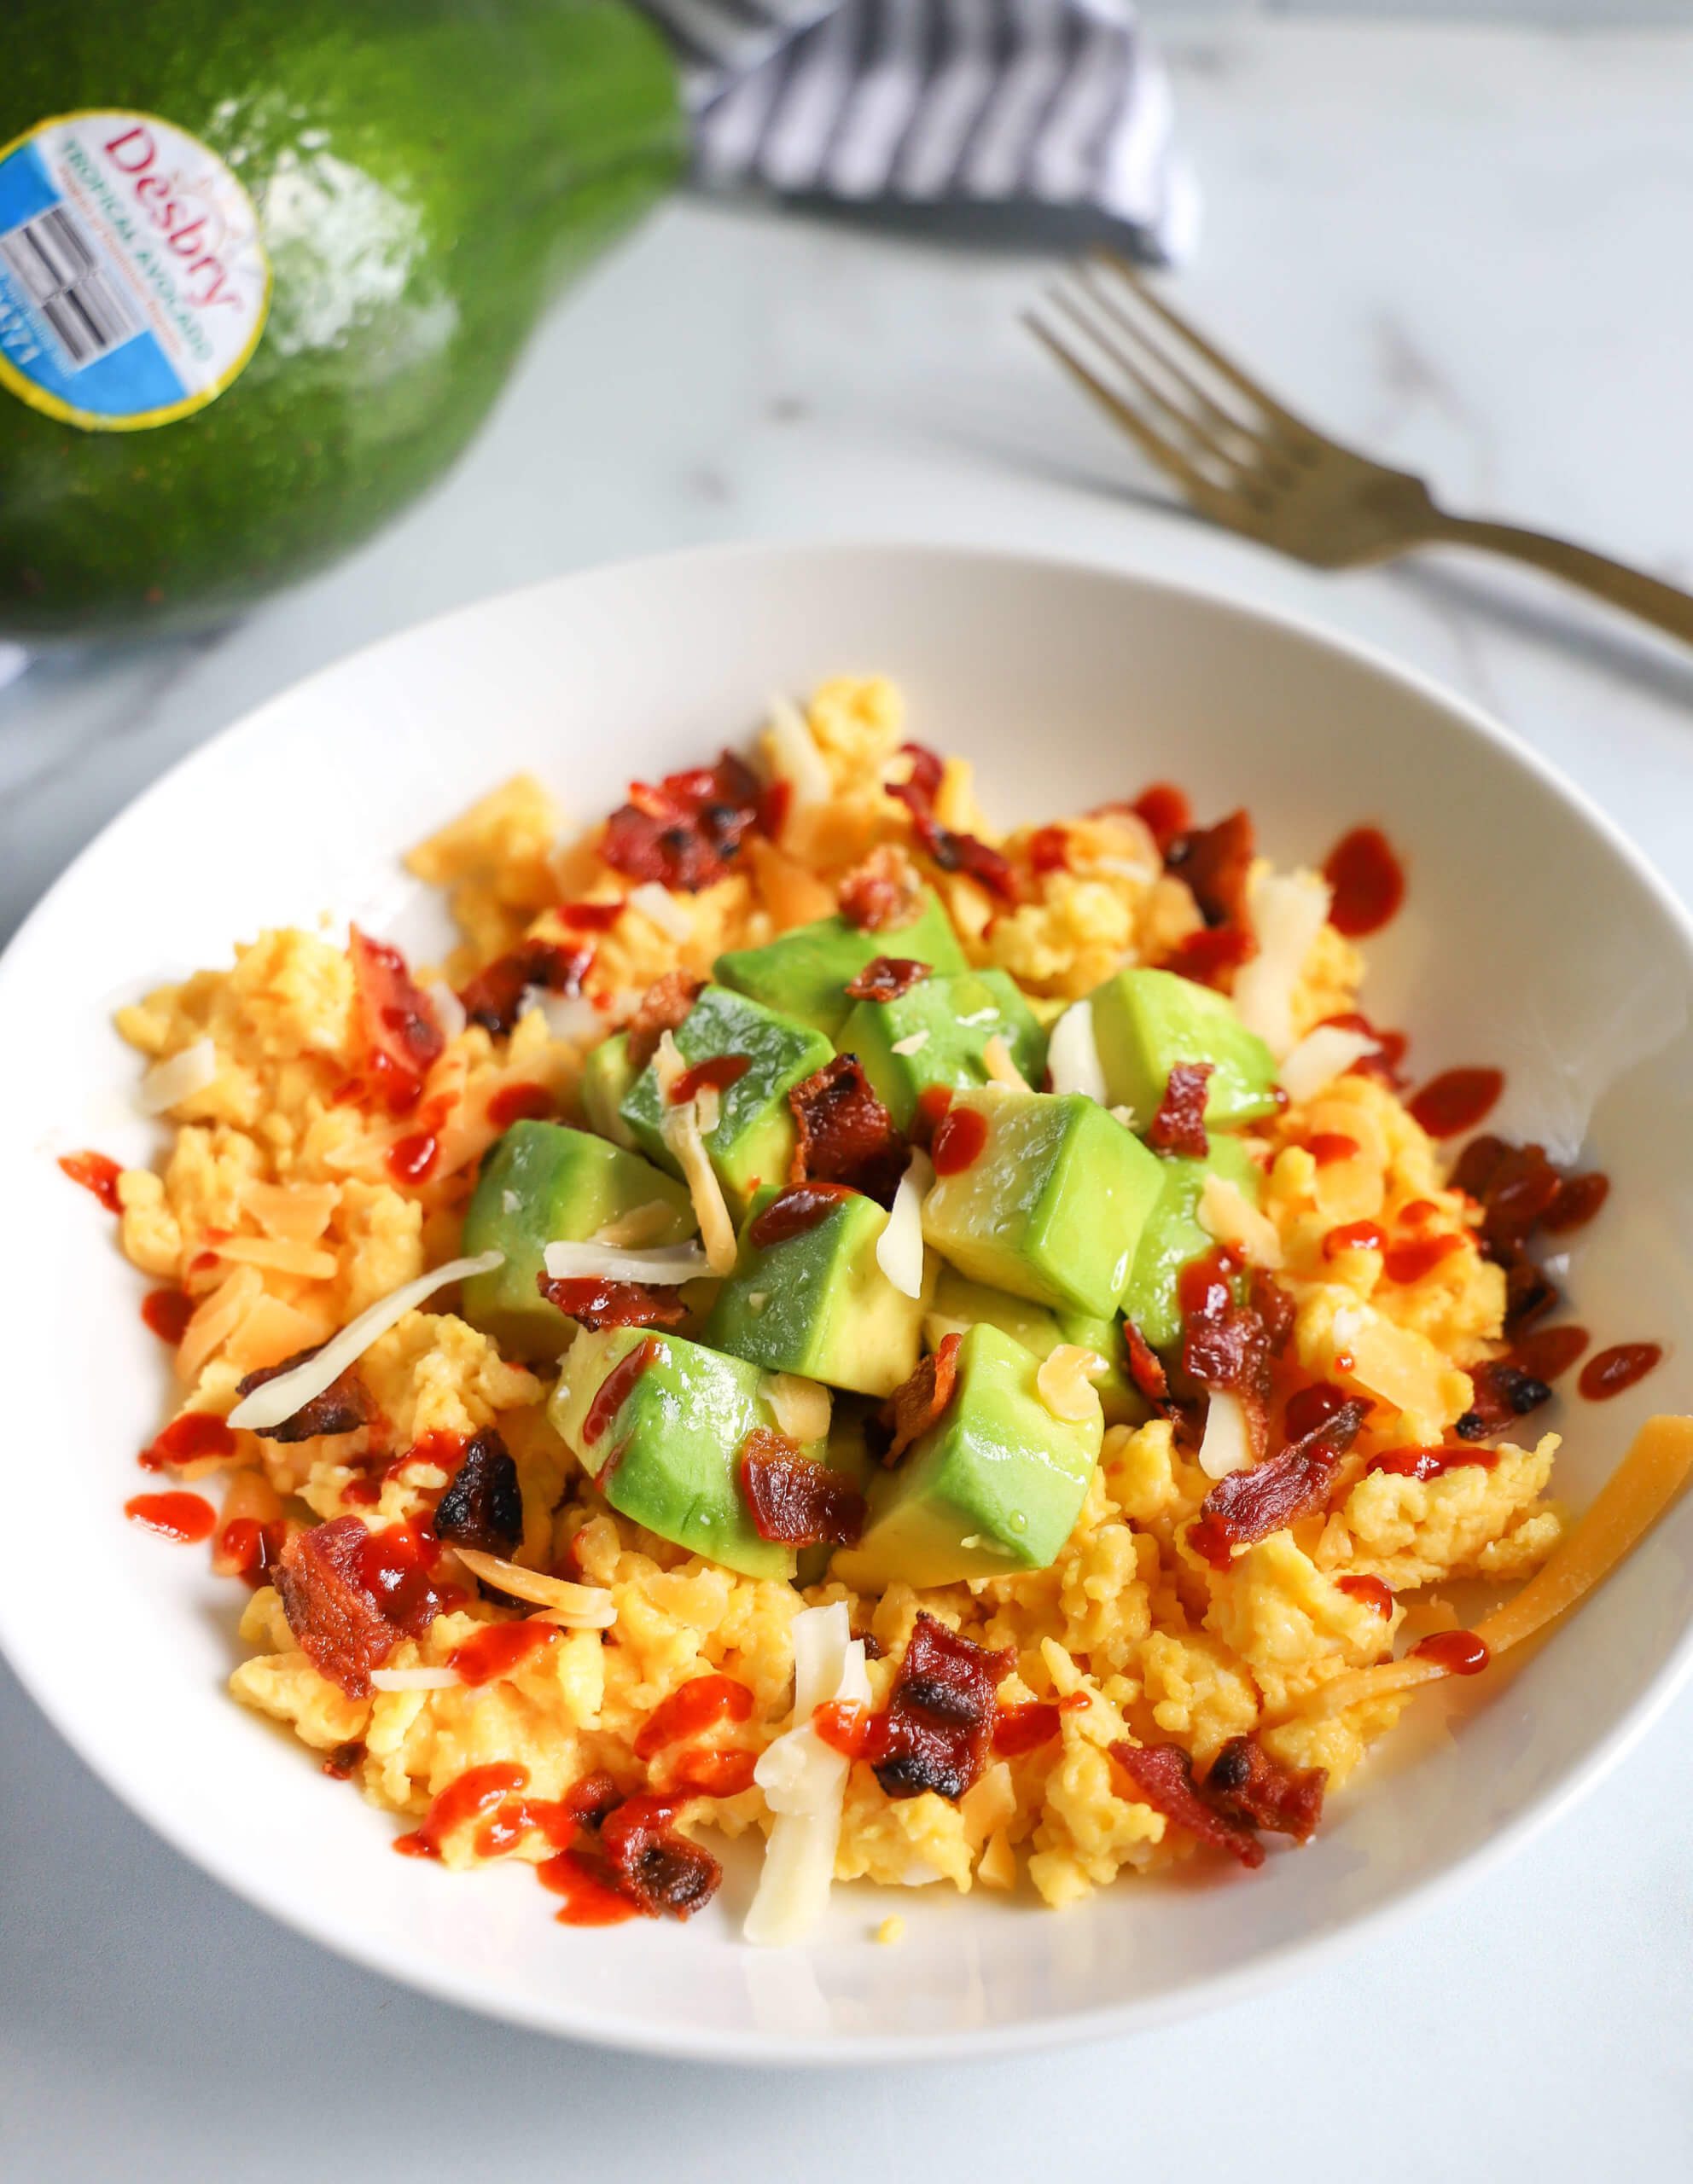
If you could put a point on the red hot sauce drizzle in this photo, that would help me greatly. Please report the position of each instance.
(615, 1390)
(1613, 1370)
(1455, 1101)
(521, 1103)
(96, 1172)
(1368, 881)
(797, 1211)
(1460, 1652)
(959, 1138)
(719, 1072)
(1373, 1592)
(498, 1649)
(184, 1517)
(166, 1313)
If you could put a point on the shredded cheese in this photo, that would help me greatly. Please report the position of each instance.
(1287, 910)
(1227, 1444)
(1072, 1053)
(899, 1248)
(794, 753)
(1226, 1212)
(447, 1009)
(1064, 1381)
(655, 902)
(571, 1017)
(1320, 1057)
(805, 1781)
(913, 1044)
(177, 1077)
(578, 1607)
(665, 1269)
(717, 1231)
(641, 1225)
(280, 1398)
(800, 1408)
(996, 1057)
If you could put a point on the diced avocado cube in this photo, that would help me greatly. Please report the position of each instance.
(540, 1184)
(606, 1075)
(992, 1487)
(1172, 1236)
(805, 973)
(934, 1033)
(1051, 1206)
(754, 1138)
(959, 1305)
(665, 1447)
(818, 1304)
(1146, 1021)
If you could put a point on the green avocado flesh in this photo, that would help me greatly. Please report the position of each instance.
(1053, 1206)
(804, 974)
(954, 1018)
(754, 1138)
(540, 1184)
(669, 1456)
(994, 1488)
(818, 1304)
(1146, 1021)
(606, 1078)
(1172, 1236)
(425, 173)
(959, 1305)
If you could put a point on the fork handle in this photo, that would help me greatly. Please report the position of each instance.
(1632, 590)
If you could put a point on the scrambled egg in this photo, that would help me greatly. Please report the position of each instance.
(278, 1212)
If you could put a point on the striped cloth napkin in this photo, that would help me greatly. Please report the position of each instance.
(1040, 119)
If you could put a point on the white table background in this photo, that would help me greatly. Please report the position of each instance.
(1469, 250)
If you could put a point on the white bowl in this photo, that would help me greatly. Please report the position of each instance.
(1532, 937)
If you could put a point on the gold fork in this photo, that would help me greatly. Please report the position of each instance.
(1244, 460)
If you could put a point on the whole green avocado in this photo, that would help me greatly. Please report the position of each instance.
(425, 173)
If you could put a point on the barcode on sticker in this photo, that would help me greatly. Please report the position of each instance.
(68, 286)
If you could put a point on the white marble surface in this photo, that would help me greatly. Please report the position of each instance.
(1469, 251)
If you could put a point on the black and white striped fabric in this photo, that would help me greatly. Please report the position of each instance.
(1026, 113)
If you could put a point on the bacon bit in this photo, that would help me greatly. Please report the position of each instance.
(598, 1304)
(333, 1611)
(692, 1708)
(928, 768)
(1426, 1463)
(1203, 957)
(1025, 1727)
(1374, 1593)
(521, 1103)
(1146, 1370)
(957, 852)
(846, 1136)
(796, 1211)
(1162, 1775)
(1165, 812)
(776, 799)
(718, 1072)
(882, 893)
(938, 1727)
(1225, 1345)
(482, 1507)
(688, 830)
(1274, 1306)
(96, 1172)
(887, 979)
(1501, 1394)
(1178, 1126)
(166, 1313)
(402, 1039)
(1049, 850)
(592, 917)
(793, 1501)
(1245, 1784)
(664, 1007)
(920, 1402)
(1308, 1409)
(342, 1408)
(1249, 1505)
(1215, 861)
(494, 997)
(343, 1761)
(659, 1872)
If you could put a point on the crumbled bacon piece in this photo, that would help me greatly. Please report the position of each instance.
(686, 831)
(1215, 861)
(663, 1008)
(1225, 1343)
(659, 1871)
(343, 1406)
(928, 768)
(1178, 1126)
(401, 1037)
(887, 979)
(1162, 1775)
(1274, 1306)
(331, 1608)
(793, 1500)
(882, 892)
(955, 852)
(599, 1303)
(1249, 1505)
(494, 997)
(1146, 1368)
(921, 1401)
(482, 1507)
(1245, 1784)
(937, 1730)
(1203, 957)
(1501, 1394)
(846, 1136)
(1519, 1192)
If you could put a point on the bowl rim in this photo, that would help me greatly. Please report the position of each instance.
(700, 2042)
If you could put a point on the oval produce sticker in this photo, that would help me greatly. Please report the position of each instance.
(133, 283)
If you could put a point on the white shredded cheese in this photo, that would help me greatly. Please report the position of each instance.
(899, 1248)
(708, 1109)
(178, 1077)
(1320, 1057)
(446, 1007)
(805, 1781)
(441, 1679)
(795, 754)
(1072, 1055)
(571, 1017)
(654, 900)
(578, 1607)
(996, 1057)
(280, 1398)
(1226, 1212)
(1064, 1381)
(663, 1268)
(913, 1044)
(682, 1133)
(1227, 1445)
(1287, 909)
(639, 1228)
(800, 1408)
